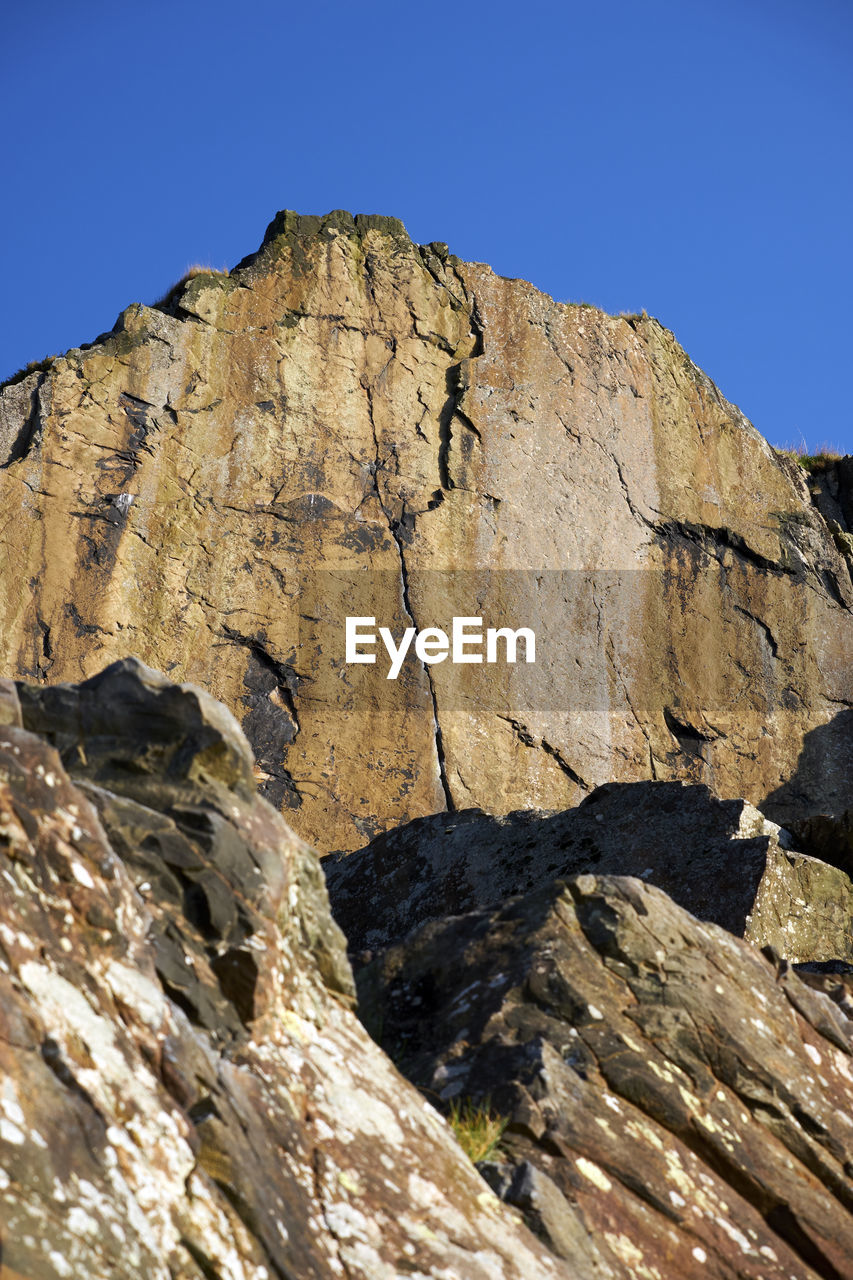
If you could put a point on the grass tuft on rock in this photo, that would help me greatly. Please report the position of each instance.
(34, 366)
(823, 456)
(197, 269)
(477, 1128)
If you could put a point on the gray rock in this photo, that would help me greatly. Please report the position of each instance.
(687, 1098)
(186, 1093)
(720, 859)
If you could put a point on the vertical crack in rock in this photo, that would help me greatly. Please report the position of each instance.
(456, 385)
(400, 530)
(46, 648)
(445, 433)
(439, 740)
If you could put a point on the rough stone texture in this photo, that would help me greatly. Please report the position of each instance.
(829, 837)
(185, 1093)
(679, 1105)
(352, 423)
(831, 486)
(10, 710)
(721, 860)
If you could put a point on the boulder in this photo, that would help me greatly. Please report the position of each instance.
(677, 1103)
(185, 1092)
(720, 859)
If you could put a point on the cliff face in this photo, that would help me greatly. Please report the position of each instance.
(350, 424)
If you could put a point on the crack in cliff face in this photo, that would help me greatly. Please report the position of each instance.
(401, 528)
(765, 629)
(713, 540)
(528, 739)
(401, 531)
(271, 722)
(456, 384)
(690, 739)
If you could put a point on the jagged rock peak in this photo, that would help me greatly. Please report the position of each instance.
(350, 424)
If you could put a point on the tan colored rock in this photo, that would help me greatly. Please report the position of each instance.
(10, 709)
(352, 424)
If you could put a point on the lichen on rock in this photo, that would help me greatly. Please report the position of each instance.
(186, 1092)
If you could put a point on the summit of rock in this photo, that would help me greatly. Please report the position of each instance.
(352, 424)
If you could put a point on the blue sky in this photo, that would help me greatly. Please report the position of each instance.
(691, 158)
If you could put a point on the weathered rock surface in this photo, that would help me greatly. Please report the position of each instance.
(828, 836)
(720, 859)
(185, 1093)
(352, 424)
(679, 1106)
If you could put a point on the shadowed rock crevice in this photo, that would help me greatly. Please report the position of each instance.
(271, 719)
(29, 433)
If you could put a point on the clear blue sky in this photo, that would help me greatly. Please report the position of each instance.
(690, 157)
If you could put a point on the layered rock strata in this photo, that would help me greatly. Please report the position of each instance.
(350, 423)
(185, 1093)
(678, 1105)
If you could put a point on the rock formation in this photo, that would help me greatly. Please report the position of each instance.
(351, 424)
(678, 1104)
(720, 859)
(185, 1093)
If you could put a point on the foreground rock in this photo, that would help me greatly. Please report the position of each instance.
(678, 1105)
(353, 424)
(184, 1091)
(721, 860)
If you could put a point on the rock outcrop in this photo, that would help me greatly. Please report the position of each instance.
(185, 1093)
(351, 424)
(720, 859)
(678, 1105)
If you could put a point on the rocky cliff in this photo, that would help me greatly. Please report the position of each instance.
(678, 1104)
(351, 424)
(185, 1093)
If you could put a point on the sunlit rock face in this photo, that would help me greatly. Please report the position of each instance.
(351, 424)
(678, 1104)
(185, 1092)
